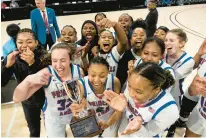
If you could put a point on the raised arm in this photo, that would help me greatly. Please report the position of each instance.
(7, 67)
(30, 85)
(121, 36)
(201, 51)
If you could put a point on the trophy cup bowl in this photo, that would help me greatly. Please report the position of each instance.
(85, 124)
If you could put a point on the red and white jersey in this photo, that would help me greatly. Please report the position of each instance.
(202, 73)
(154, 114)
(96, 102)
(182, 67)
(56, 106)
(112, 58)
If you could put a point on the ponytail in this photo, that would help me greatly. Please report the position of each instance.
(169, 80)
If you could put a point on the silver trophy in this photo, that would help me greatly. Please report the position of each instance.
(73, 92)
(85, 125)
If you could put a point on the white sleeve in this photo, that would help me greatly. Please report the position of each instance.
(185, 69)
(115, 54)
(161, 122)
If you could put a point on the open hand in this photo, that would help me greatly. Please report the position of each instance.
(133, 126)
(83, 49)
(113, 99)
(11, 58)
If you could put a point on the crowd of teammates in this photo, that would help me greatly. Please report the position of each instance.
(132, 79)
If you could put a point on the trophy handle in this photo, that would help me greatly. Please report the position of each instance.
(72, 90)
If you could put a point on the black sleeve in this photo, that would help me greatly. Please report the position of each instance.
(6, 73)
(151, 19)
(122, 69)
(35, 67)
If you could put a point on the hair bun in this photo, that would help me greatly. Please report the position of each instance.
(169, 80)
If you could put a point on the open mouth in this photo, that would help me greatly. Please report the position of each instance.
(106, 45)
(67, 40)
(60, 70)
(89, 36)
(138, 42)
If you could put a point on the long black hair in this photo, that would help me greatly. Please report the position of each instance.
(94, 41)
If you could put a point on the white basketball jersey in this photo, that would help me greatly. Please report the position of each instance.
(102, 109)
(56, 106)
(202, 73)
(112, 58)
(151, 109)
(183, 66)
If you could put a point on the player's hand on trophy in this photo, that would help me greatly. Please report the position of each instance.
(113, 99)
(103, 125)
(133, 126)
(77, 108)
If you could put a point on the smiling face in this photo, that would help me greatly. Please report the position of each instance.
(61, 62)
(125, 22)
(138, 37)
(140, 89)
(106, 41)
(99, 17)
(97, 74)
(24, 40)
(68, 35)
(151, 53)
(40, 4)
(89, 31)
(161, 34)
(173, 44)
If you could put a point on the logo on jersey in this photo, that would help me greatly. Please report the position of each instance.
(202, 60)
(133, 110)
(112, 68)
(150, 109)
(102, 110)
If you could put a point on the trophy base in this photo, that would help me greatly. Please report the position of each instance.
(86, 126)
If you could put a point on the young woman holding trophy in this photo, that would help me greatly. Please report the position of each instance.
(57, 113)
(98, 80)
